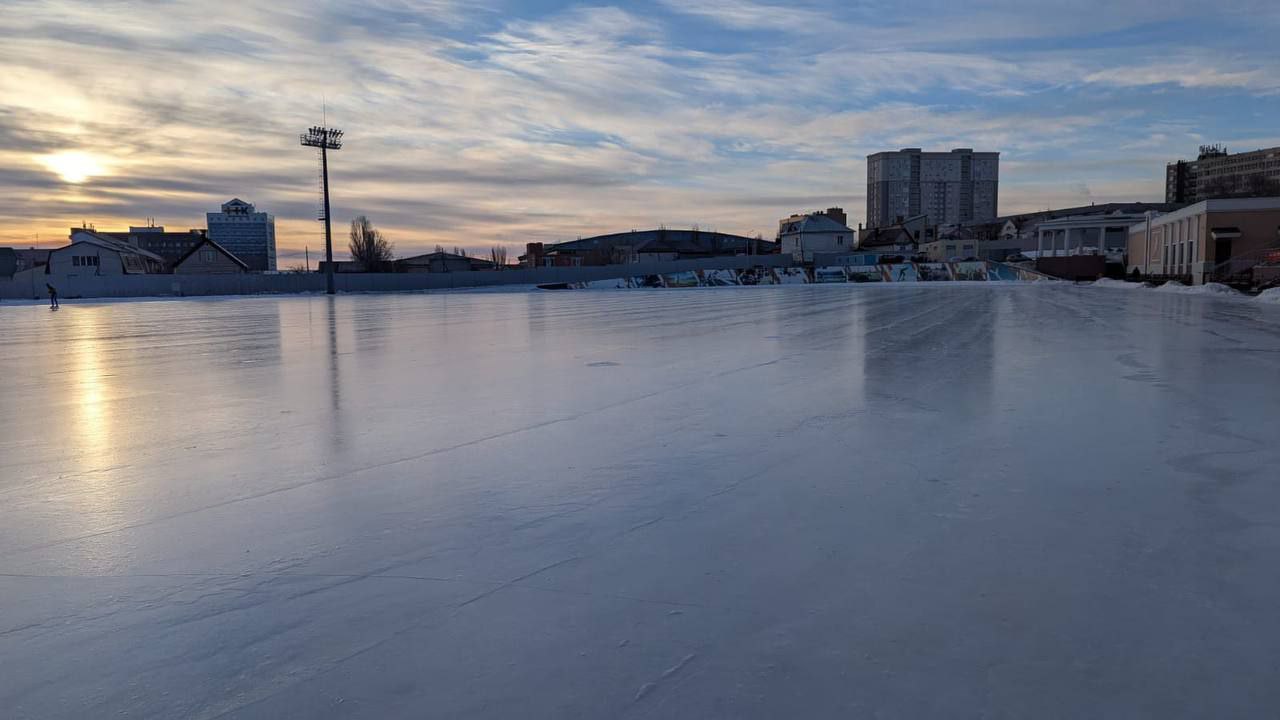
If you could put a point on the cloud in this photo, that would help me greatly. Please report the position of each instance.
(475, 123)
(749, 15)
(1189, 73)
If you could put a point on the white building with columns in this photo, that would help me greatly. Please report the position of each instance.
(1087, 235)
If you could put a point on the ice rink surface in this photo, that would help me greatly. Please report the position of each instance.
(817, 501)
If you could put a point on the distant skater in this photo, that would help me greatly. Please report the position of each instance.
(53, 296)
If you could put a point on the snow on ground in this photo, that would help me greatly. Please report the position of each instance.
(1205, 289)
(936, 501)
(1116, 284)
(1217, 290)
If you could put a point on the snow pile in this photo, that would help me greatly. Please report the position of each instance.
(1271, 296)
(1116, 284)
(1207, 289)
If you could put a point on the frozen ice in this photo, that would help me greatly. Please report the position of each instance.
(981, 500)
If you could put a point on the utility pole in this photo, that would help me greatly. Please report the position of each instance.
(307, 254)
(326, 139)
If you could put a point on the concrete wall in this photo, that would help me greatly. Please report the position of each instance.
(28, 285)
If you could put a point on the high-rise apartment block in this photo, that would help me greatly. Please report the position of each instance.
(246, 233)
(1215, 173)
(960, 186)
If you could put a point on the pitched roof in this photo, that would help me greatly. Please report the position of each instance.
(886, 236)
(215, 246)
(438, 255)
(814, 223)
(32, 255)
(660, 240)
(92, 237)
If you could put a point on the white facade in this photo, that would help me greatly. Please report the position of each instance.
(245, 233)
(960, 186)
(1087, 235)
(94, 255)
(800, 236)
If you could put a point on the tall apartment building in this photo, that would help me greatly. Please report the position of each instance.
(246, 233)
(954, 187)
(1215, 173)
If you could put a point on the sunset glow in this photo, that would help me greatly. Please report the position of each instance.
(480, 124)
(74, 167)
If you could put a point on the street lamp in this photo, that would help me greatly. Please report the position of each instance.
(326, 139)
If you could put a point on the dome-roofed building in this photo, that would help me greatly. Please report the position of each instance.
(644, 246)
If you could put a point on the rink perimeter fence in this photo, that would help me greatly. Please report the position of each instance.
(723, 271)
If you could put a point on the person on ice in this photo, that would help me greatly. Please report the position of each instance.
(53, 296)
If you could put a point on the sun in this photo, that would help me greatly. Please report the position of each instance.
(74, 166)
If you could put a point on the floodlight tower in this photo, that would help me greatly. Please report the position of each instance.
(326, 139)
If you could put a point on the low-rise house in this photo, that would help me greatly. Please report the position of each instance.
(955, 242)
(209, 258)
(439, 261)
(803, 235)
(94, 254)
(341, 266)
(905, 237)
(15, 260)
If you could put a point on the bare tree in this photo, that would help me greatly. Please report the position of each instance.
(368, 246)
(297, 269)
(498, 254)
(439, 248)
(461, 252)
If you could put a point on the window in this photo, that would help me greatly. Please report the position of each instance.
(209, 256)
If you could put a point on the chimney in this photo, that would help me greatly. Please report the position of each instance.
(533, 254)
(838, 215)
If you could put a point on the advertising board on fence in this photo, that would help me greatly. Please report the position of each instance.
(906, 272)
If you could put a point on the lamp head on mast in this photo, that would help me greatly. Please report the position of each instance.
(322, 137)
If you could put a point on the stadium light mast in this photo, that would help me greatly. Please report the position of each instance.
(326, 139)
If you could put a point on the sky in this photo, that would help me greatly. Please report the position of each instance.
(497, 122)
